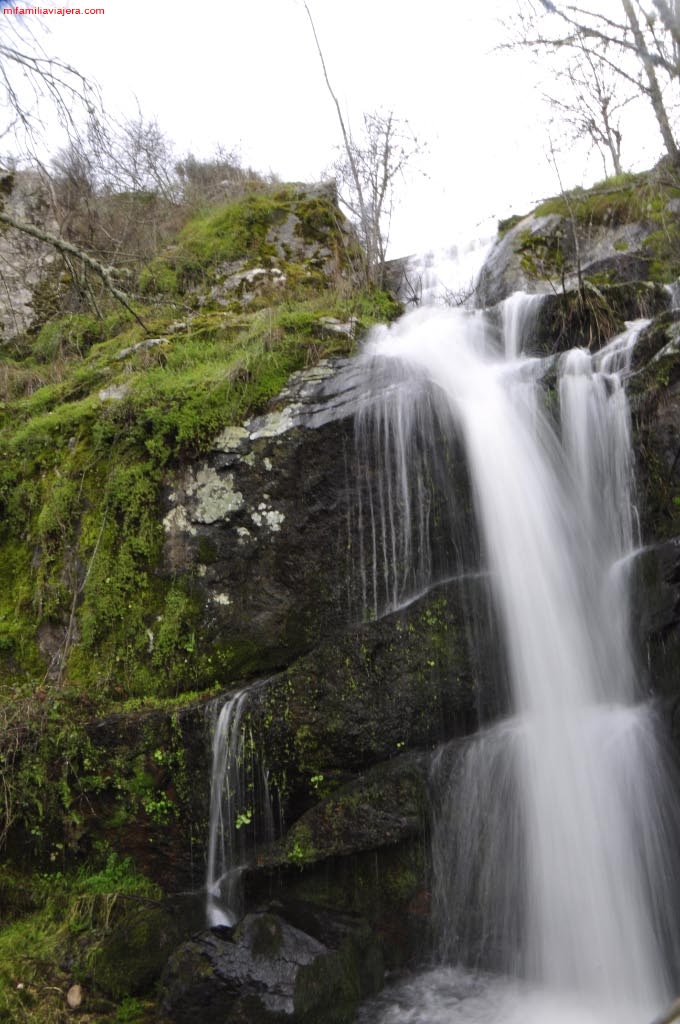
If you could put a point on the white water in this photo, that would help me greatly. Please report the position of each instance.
(554, 848)
(240, 807)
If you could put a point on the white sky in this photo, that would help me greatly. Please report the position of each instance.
(245, 73)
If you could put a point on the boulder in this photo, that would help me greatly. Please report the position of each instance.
(314, 968)
(539, 254)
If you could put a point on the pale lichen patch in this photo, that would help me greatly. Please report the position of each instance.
(177, 521)
(216, 496)
(276, 423)
(230, 439)
(267, 517)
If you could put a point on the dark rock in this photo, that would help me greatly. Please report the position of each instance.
(367, 695)
(383, 807)
(655, 402)
(130, 958)
(260, 528)
(590, 319)
(657, 614)
(662, 335)
(270, 970)
(654, 391)
(538, 254)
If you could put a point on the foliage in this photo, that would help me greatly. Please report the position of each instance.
(621, 199)
(649, 199)
(86, 617)
(66, 920)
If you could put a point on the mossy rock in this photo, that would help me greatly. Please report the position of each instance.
(312, 967)
(664, 331)
(367, 695)
(131, 956)
(655, 402)
(591, 317)
(387, 886)
(620, 230)
(385, 806)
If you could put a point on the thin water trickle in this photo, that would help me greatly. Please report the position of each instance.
(222, 885)
(240, 809)
(555, 834)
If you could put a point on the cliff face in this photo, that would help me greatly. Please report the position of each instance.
(185, 517)
(25, 262)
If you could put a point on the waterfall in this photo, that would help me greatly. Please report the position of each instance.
(555, 833)
(240, 809)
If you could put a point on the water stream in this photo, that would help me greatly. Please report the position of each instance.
(555, 883)
(241, 811)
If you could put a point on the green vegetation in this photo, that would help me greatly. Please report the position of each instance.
(95, 415)
(58, 937)
(648, 197)
(617, 200)
(242, 235)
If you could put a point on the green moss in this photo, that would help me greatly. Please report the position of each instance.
(617, 200)
(158, 277)
(542, 255)
(318, 219)
(646, 198)
(299, 847)
(235, 231)
(68, 336)
(509, 223)
(87, 618)
(67, 927)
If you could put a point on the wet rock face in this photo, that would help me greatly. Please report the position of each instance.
(655, 400)
(300, 964)
(539, 254)
(657, 620)
(261, 525)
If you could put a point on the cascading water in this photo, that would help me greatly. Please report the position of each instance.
(554, 841)
(240, 810)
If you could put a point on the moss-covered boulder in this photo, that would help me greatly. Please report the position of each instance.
(621, 230)
(269, 244)
(133, 952)
(591, 317)
(366, 695)
(270, 970)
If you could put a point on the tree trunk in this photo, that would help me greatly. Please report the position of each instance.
(653, 88)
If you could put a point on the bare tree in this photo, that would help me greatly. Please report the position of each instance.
(590, 106)
(218, 177)
(32, 83)
(367, 170)
(35, 85)
(637, 46)
(366, 183)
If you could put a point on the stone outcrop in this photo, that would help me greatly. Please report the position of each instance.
(297, 964)
(617, 232)
(24, 262)
(261, 525)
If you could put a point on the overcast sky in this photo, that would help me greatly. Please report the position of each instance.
(245, 73)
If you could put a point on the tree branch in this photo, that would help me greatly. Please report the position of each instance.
(71, 250)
